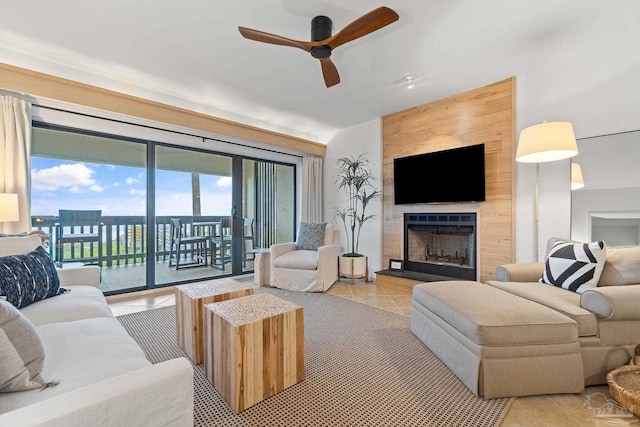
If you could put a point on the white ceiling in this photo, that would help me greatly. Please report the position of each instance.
(189, 52)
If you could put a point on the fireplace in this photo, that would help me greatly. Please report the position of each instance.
(442, 244)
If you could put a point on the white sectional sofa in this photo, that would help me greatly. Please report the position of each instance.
(103, 375)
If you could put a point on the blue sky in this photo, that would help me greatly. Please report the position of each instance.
(120, 190)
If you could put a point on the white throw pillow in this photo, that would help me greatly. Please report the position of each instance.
(21, 352)
(574, 266)
(19, 245)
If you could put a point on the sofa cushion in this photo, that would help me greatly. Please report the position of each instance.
(561, 300)
(80, 353)
(21, 351)
(574, 266)
(81, 302)
(19, 245)
(311, 236)
(622, 267)
(25, 279)
(299, 260)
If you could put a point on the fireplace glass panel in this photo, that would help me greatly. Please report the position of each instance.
(441, 244)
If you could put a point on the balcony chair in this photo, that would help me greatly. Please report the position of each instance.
(82, 230)
(309, 264)
(221, 245)
(184, 247)
(248, 240)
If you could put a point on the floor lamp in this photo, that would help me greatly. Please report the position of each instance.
(577, 180)
(9, 207)
(545, 142)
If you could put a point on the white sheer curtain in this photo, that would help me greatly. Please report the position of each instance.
(15, 158)
(311, 190)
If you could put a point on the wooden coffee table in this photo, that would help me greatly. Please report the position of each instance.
(254, 348)
(190, 299)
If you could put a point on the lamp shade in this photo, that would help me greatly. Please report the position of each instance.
(8, 207)
(577, 181)
(546, 142)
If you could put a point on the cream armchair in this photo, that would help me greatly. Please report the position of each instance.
(306, 270)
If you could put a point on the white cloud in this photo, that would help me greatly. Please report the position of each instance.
(224, 181)
(76, 177)
(181, 196)
(131, 181)
(135, 192)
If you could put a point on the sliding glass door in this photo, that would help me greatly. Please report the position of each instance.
(193, 203)
(269, 204)
(78, 173)
(169, 214)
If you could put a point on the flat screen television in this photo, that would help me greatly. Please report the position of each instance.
(448, 176)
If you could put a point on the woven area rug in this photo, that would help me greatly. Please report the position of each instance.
(363, 367)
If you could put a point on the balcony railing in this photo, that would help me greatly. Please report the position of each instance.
(124, 237)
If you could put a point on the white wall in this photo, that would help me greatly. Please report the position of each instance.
(363, 138)
(555, 204)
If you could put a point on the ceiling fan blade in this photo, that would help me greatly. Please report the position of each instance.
(329, 72)
(368, 23)
(261, 36)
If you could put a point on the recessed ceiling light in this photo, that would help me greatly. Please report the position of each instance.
(409, 82)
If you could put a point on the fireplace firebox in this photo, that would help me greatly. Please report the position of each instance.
(442, 244)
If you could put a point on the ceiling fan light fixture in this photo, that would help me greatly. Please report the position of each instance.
(319, 52)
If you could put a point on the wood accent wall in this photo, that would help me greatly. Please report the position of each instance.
(484, 115)
(44, 85)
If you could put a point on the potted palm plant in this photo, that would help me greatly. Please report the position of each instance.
(354, 178)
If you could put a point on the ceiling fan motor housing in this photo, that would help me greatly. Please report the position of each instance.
(321, 27)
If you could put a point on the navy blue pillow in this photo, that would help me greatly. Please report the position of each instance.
(25, 279)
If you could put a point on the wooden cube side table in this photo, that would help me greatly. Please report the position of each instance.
(254, 348)
(190, 300)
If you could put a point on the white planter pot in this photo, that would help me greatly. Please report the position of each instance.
(354, 267)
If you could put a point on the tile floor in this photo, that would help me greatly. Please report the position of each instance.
(566, 410)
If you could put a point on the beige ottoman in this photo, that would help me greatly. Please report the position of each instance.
(190, 300)
(254, 348)
(497, 343)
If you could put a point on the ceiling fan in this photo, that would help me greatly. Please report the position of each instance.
(322, 42)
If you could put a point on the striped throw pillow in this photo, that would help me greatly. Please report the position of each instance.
(574, 266)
